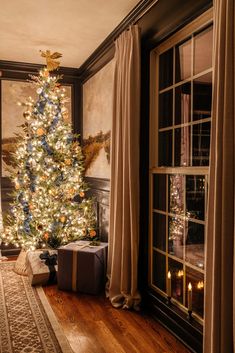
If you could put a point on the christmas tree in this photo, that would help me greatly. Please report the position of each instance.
(48, 172)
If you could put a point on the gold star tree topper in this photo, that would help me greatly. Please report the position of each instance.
(52, 63)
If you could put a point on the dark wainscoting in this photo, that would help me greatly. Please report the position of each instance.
(100, 190)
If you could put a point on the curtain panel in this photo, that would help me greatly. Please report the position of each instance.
(219, 297)
(124, 194)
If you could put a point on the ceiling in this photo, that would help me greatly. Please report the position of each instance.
(75, 28)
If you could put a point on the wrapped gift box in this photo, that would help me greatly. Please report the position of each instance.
(82, 267)
(38, 271)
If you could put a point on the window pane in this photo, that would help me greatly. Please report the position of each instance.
(194, 239)
(165, 148)
(203, 50)
(202, 96)
(195, 196)
(176, 237)
(182, 146)
(177, 279)
(159, 192)
(159, 270)
(201, 144)
(183, 103)
(166, 69)
(165, 109)
(176, 193)
(183, 61)
(197, 280)
(159, 231)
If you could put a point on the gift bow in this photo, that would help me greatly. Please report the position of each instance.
(50, 260)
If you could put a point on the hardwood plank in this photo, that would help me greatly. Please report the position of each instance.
(91, 324)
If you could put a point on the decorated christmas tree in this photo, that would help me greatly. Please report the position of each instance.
(48, 172)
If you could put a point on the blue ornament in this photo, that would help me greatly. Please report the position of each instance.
(26, 226)
(29, 147)
(70, 139)
(45, 146)
(41, 106)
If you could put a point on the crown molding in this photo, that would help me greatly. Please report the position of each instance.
(18, 70)
(105, 51)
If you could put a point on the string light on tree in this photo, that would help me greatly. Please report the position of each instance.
(49, 172)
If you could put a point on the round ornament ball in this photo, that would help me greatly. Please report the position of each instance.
(62, 219)
(68, 161)
(92, 233)
(40, 131)
(46, 236)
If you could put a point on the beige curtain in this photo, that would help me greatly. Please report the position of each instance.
(219, 298)
(124, 196)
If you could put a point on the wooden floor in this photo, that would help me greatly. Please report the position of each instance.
(92, 325)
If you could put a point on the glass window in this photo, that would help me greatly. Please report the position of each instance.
(183, 61)
(201, 144)
(176, 237)
(166, 69)
(159, 192)
(202, 96)
(165, 109)
(196, 278)
(182, 146)
(179, 188)
(183, 103)
(203, 50)
(177, 279)
(195, 196)
(165, 148)
(159, 231)
(176, 193)
(159, 270)
(194, 240)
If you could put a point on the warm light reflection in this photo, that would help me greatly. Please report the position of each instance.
(200, 285)
(180, 273)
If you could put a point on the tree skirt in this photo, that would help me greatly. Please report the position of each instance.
(27, 322)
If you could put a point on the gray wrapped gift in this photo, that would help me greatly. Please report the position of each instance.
(38, 271)
(82, 267)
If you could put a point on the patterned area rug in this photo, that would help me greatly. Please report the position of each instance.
(27, 322)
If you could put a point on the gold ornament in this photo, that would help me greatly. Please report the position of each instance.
(46, 236)
(52, 64)
(81, 194)
(92, 233)
(66, 116)
(40, 131)
(26, 114)
(74, 146)
(31, 207)
(68, 161)
(62, 219)
(71, 191)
